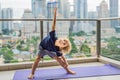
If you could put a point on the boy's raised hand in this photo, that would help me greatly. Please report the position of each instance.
(54, 19)
(55, 9)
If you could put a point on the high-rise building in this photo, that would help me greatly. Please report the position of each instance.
(60, 6)
(28, 27)
(114, 4)
(0, 21)
(64, 8)
(81, 12)
(80, 8)
(7, 13)
(16, 29)
(92, 15)
(104, 13)
(62, 29)
(38, 7)
(16, 26)
(105, 25)
(50, 8)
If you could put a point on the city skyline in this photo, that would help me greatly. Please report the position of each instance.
(27, 5)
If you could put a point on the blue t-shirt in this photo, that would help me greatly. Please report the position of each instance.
(48, 43)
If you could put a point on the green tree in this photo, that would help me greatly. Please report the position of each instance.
(105, 51)
(74, 48)
(19, 45)
(7, 54)
(1, 34)
(33, 42)
(93, 32)
(113, 44)
(6, 31)
(85, 49)
(72, 34)
(81, 33)
(112, 50)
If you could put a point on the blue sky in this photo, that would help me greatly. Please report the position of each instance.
(20, 5)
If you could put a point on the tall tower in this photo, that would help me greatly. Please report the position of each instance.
(50, 8)
(7, 13)
(64, 8)
(103, 12)
(38, 7)
(81, 12)
(0, 21)
(114, 12)
(27, 26)
(80, 7)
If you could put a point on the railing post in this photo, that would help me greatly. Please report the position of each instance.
(98, 38)
(41, 29)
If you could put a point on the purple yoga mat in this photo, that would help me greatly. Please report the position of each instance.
(60, 73)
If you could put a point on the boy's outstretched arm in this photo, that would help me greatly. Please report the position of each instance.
(54, 20)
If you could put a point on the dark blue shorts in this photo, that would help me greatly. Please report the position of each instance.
(42, 52)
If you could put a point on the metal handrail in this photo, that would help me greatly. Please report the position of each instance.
(33, 19)
(112, 18)
(73, 19)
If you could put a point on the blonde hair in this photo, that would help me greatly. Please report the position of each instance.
(68, 48)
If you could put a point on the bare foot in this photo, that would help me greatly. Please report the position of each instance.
(31, 76)
(71, 72)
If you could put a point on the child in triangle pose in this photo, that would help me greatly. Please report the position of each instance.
(53, 47)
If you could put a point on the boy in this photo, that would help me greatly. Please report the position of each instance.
(54, 48)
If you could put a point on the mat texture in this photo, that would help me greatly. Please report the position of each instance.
(60, 73)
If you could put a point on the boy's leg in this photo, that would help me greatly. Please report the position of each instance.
(64, 65)
(34, 66)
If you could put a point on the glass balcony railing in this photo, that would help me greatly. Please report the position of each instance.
(110, 38)
(89, 38)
